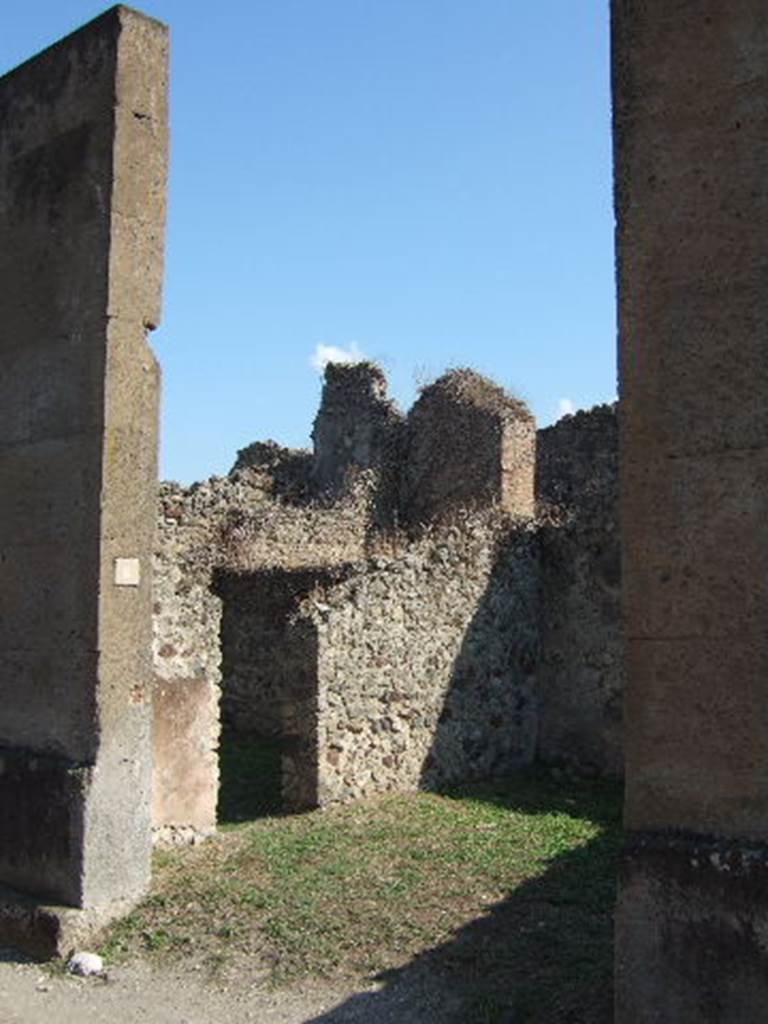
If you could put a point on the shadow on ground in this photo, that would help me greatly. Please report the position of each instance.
(250, 779)
(542, 955)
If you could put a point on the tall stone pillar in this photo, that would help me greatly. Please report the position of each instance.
(83, 153)
(690, 83)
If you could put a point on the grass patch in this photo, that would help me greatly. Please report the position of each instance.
(506, 887)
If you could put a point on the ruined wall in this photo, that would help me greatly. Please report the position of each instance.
(186, 658)
(386, 658)
(357, 428)
(287, 471)
(187, 655)
(468, 445)
(425, 664)
(240, 523)
(580, 679)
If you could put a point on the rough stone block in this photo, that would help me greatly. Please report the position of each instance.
(691, 162)
(692, 931)
(726, 44)
(53, 465)
(41, 806)
(357, 429)
(48, 930)
(678, 584)
(45, 594)
(48, 716)
(687, 337)
(695, 739)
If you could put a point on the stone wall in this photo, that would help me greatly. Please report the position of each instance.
(186, 656)
(187, 652)
(286, 471)
(257, 519)
(580, 679)
(454, 646)
(425, 664)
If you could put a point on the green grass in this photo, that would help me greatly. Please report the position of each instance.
(506, 887)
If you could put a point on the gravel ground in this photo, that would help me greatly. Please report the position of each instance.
(135, 994)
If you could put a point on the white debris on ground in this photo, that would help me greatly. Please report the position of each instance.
(85, 964)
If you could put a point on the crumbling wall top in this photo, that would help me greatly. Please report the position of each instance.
(468, 388)
(469, 444)
(577, 461)
(359, 381)
(357, 425)
(288, 470)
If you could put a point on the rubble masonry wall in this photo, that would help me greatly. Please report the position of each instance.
(425, 664)
(580, 676)
(382, 658)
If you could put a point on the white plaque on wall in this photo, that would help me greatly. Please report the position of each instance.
(127, 572)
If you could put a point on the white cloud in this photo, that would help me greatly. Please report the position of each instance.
(325, 354)
(565, 407)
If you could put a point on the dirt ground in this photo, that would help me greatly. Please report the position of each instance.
(135, 994)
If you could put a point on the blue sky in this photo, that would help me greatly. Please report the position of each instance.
(425, 182)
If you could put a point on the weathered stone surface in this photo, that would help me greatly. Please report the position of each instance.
(694, 374)
(468, 445)
(82, 176)
(679, 558)
(693, 919)
(233, 523)
(357, 428)
(426, 664)
(691, 144)
(691, 158)
(414, 668)
(41, 807)
(698, 759)
(289, 470)
(48, 930)
(580, 677)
